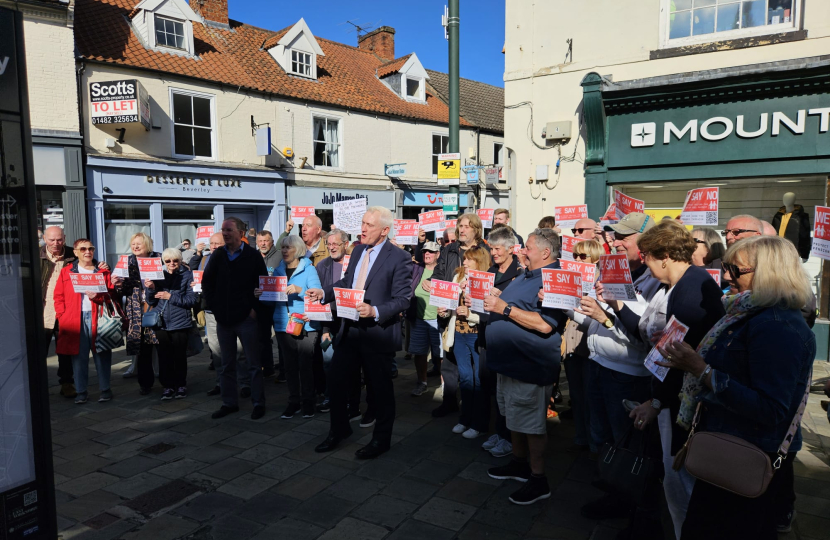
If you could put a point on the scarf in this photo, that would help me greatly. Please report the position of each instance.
(738, 307)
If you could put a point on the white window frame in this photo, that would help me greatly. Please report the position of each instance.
(312, 66)
(188, 35)
(432, 156)
(421, 97)
(665, 29)
(213, 125)
(156, 18)
(341, 140)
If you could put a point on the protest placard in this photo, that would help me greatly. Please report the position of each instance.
(701, 207)
(122, 267)
(197, 280)
(624, 204)
(673, 332)
(821, 235)
(516, 249)
(567, 216)
(345, 265)
(610, 216)
(347, 301)
(567, 250)
(299, 213)
(715, 273)
(150, 268)
(563, 289)
(444, 294)
(588, 271)
(203, 234)
(446, 224)
(348, 215)
(431, 221)
(478, 286)
(486, 217)
(273, 288)
(315, 311)
(84, 283)
(406, 232)
(615, 276)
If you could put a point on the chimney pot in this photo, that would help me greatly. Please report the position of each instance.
(380, 41)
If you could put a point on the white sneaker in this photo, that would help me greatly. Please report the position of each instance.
(504, 448)
(491, 443)
(459, 429)
(419, 389)
(471, 434)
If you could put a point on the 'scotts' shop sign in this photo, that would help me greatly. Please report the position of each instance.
(119, 102)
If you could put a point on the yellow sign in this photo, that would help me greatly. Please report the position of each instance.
(449, 166)
(657, 214)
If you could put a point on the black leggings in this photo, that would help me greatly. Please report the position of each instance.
(172, 351)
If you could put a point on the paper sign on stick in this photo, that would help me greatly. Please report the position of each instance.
(273, 288)
(122, 268)
(486, 217)
(302, 212)
(625, 205)
(84, 283)
(821, 236)
(431, 221)
(315, 311)
(444, 294)
(348, 215)
(701, 207)
(150, 268)
(673, 332)
(479, 284)
(715, 273)
(615, 276)
(406, 232)
(567, 216)
(588, 271)
(203, 234)
(347, 301)
(563, 289)
(567, 251)
(345, 265)
(197, 280)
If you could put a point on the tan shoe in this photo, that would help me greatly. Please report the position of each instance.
(68, 390)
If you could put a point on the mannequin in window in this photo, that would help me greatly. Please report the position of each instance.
(793, 223)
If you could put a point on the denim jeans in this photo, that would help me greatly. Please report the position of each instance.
(243, 377)
(579, 382)
(80, 362)
(608, 388)
(475, 403)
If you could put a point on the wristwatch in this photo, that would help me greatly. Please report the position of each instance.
(507, 309)
(656, 404)
(608, 323)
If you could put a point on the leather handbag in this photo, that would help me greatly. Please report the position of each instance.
(295, 325)
(731, 463)
(625, 466)
(110, 329)
(153, 318)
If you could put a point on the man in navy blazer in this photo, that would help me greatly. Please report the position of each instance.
(384, 271)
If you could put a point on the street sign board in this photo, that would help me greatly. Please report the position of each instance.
(395, 171)
(450, 203)
(449, 166)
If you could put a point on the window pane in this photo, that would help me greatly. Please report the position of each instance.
(196, 213)
(333, 155)
(201, 112)
(201, 143)
(182, 114)
(679, 5)
(319, 129)
(126, 211)
(117, 238)
(180, 41)
(319, 154)
(680, 25)
(161, 37)
(294, 56)
(183, 140)
(436, 144)
(729, 17)
(434, 164)
(704, 3)
(413, 88)
(704, 21)
(445, 145)
(753, 13)
(780, 11)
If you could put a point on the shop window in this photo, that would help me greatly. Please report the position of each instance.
(49, 210)
(181, 222)
(170, 33)
(193, 135)
(327, 142)
(699, 21)
(121, 222)
(440, 145)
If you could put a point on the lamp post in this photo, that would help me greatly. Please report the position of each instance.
(453, 37)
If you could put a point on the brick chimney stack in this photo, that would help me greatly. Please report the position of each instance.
(380, 41)
(212, 10)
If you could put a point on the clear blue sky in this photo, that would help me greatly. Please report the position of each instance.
(417, 28)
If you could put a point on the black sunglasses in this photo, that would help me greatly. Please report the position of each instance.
(582, 256)
(84, 249)
(579, 231)
(736, 232)
(735, 271)
(171, 261)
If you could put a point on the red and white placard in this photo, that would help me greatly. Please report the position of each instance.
(301, 212)
(150, 268)
(516, 249)
(345, 264)
(431, 221)
(444, 294)
(701, 207)
(567, 216)
(447, 224)
(406, 232)
(615, 275)
(197, 280)
(821, 235)
(625, 205)
(203, 234)
(715, 273)
(347, 301)
(567, 251)
(273, 288)
(479, 284)
(587, 270)
(84, 283)
(122, 267)
(563, 289)
(315, 311)
(673, 332)
(610, 216)
(486, 217)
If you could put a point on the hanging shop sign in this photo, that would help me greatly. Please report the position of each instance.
(119, 102)
(471, 174)
(492, 175)
(395, 170)
(450, 203)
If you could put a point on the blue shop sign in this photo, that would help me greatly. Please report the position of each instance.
(429, 198)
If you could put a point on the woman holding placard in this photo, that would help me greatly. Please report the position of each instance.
(461, 336)
(424, 335)
(78, 305)
(297, 336)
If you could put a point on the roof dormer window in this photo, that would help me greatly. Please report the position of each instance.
(170, 33)
(415, 88)
(301, 63)
(165, 25)
(296, 51)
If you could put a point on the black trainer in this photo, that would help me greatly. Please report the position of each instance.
(224, 411)
(515, 470)
(324, 407)
(308, 410)
(291, 410)
(535, 489)
(785, 522)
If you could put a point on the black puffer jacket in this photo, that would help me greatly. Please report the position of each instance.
(451, 258)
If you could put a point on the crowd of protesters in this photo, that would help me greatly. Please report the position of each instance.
(742, 368)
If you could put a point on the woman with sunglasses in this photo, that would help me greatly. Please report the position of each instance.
(751, 373)
(77, 316)
(174, 298)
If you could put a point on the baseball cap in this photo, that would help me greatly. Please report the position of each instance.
(431, 246)
(635, 222)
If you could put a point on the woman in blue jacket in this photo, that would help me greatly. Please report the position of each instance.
(298, 350)
(174, 299)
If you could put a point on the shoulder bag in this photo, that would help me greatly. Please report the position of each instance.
(625, 466)
(110, 330)
(732, 463)
(153, 318)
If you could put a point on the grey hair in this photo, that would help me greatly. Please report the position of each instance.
(385, 216)
(546, 239)
(503, 236)
(759, 227)
(171, 253)
(294, 241)
(344, 236)
(712, 241)
(449, 230)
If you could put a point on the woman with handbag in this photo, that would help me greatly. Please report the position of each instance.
(424, 336)
(78, 315)
(172, 300)
(751, 376)
(297, 336)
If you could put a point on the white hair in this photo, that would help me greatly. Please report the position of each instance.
(171, 253)
(385, 216)
(294, 241)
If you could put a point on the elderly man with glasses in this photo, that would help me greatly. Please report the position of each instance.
(740, 227)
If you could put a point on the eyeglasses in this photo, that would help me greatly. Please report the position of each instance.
(699, 241)
(84, 249)
(335, 245)
(172, 261)
(579, 231)
(735, 271)
(736, 232)
(581, 256)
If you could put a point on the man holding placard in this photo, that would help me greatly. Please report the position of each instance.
(382, 274)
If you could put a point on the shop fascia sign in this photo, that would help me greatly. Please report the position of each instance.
(195, 182)
(645, 134)
(119, 102)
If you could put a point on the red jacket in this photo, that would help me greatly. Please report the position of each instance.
(68, 306)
